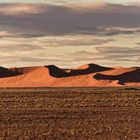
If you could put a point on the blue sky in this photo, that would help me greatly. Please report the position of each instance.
(69, 35)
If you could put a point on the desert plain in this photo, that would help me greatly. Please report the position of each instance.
(70, 113)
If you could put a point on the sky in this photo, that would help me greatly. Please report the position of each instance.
(69, 33)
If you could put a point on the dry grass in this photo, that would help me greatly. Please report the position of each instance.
(73, 113)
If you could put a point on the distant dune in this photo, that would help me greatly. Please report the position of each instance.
(90, 75)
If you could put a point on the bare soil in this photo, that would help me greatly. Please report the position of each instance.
(70, 113)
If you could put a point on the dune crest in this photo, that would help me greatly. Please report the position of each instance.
(90, 75)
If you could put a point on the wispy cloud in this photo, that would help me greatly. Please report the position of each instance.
(82, 40)
(120, 53)
(20, 9)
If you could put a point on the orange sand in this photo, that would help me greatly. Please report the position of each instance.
(90, 75)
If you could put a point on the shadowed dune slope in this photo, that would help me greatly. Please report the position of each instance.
(133, 76)
(23, 70)
(4, 72)
(87, 69)
(56, 72)
(85, 76)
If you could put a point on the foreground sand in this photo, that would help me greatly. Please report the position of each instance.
(87, 113)
(90, 75)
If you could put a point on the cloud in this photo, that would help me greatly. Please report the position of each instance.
(133, 2)
(32, 20)
(87, 7)
(85, 56)
(21, 47)
(74, 41)
(123, 30)
(119, 53)
(4, 34)
(12, 61)
(108, 56)
(101, 55)
(20, 9)
(68, 35)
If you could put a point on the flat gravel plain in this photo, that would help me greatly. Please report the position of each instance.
(70, 113)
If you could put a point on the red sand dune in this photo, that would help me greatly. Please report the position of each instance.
(90, 75)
